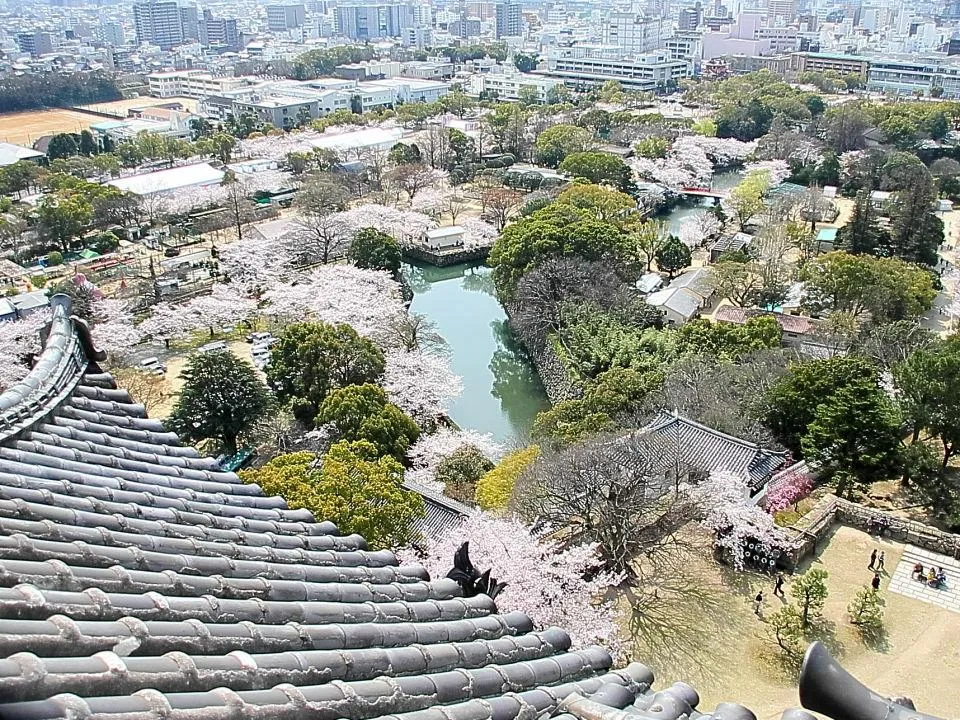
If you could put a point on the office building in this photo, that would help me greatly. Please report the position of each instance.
(509, 19)
(828, 62)
(112, 33)
(689, 18)
(219, 32)
(366, 22)
(281, 18)
(36, 43)
(647, 72)
(635, 32)
(158, 23)
(189, 21)
(508, 84)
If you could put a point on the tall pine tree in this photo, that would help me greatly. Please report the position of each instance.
(915, 231)
(863, 234)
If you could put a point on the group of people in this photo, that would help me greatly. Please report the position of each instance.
(935, 577)
(777, 590)
(876, 564)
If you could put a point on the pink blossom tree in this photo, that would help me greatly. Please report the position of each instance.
(426, 454)
(19, 340)
(114, 330)
(777, 170)
(788, 491)
(421, 384)
(734, 519)
(547, 583)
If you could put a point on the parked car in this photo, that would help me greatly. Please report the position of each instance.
(153, 364)
(216, 346)
(257, 338)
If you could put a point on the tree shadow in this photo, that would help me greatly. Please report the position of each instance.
(826, 632)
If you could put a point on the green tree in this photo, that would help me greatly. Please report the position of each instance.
(311, 359)
(62, 145)
(460, 471)
(673, 256)
(495, 488)
(525, 62)
(64, 217)
(746, 199)
(866, 612)
(375, 250)
(786, 625)
(222, 398)
(855, 438)
(915, 231)
(87, 145)
(726, 340)
(528, 95)
(791, 402)
(598, 167)
(54, 258)
(652, 147)
(555, 231)
(558, 141)
(403, 154)
(886, 289)
(739, 282)
(363, 412)
(605, 203)
(810, 593)
(353, 487)
(646, 240)
(862, 234)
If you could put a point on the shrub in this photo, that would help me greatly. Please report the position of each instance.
(496, 487)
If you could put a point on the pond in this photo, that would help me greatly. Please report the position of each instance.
(675, 216)
(502, 393)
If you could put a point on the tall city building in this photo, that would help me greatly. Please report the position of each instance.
(635, 32)
(35, 42)
(781, 11)
(219, 32)
(509, 19)
(689, 18)
(189, 22)
(158, 22)
(365, 22)
(111, 32)
(281, 18)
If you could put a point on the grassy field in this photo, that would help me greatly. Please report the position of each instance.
(121, 106)
(23, 128)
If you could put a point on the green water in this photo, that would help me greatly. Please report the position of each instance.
(501, 392)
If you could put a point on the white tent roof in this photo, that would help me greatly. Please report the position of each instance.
(172, 179)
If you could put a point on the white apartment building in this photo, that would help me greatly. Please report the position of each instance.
(647, 72)
(907, 75)
(508, 83)
(635, 32)
(193, 84)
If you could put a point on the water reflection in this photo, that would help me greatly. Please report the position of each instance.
(502, 394)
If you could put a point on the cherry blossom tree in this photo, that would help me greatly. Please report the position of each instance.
(478, 233)
(406, 226)
(114, 328)
(735, 520)
(697, 228)
(19, 340)
(365, 299)
(788, 491)
(777, 170)
(255, 263)
(547, 583)
(421, 384)
(223, 307)
(431, 449)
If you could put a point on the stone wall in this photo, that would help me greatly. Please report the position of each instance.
(553, 375)
(816, 525)
(445, 258)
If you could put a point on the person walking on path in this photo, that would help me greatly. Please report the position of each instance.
(875, 583)
(873, 559)
(778, 588)
(758, 603)
(880, 560)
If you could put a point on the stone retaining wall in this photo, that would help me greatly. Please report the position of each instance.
(443, 259)
(815, 525)
(553, 375)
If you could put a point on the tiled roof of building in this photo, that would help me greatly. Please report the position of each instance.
(798, 324)
(704, 449)
(139, 581)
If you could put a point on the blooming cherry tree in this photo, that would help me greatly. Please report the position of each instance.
(421, 384)
(431, 449)
(18, 340)
(735, 520)
(543, 581)
(114, 328)
(478, 233)
(697, 228)
(777, 170)
(407, 226)
(788, 491)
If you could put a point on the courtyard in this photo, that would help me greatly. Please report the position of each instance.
(729, 655)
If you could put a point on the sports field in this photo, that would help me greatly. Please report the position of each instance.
(23, 128)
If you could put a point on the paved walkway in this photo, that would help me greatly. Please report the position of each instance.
(902, 583)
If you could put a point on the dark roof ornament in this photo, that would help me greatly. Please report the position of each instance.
(825, 687)
(470, 579)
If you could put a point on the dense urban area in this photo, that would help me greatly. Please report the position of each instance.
(656, 306)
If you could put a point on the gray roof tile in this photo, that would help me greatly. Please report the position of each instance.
(138, 581)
